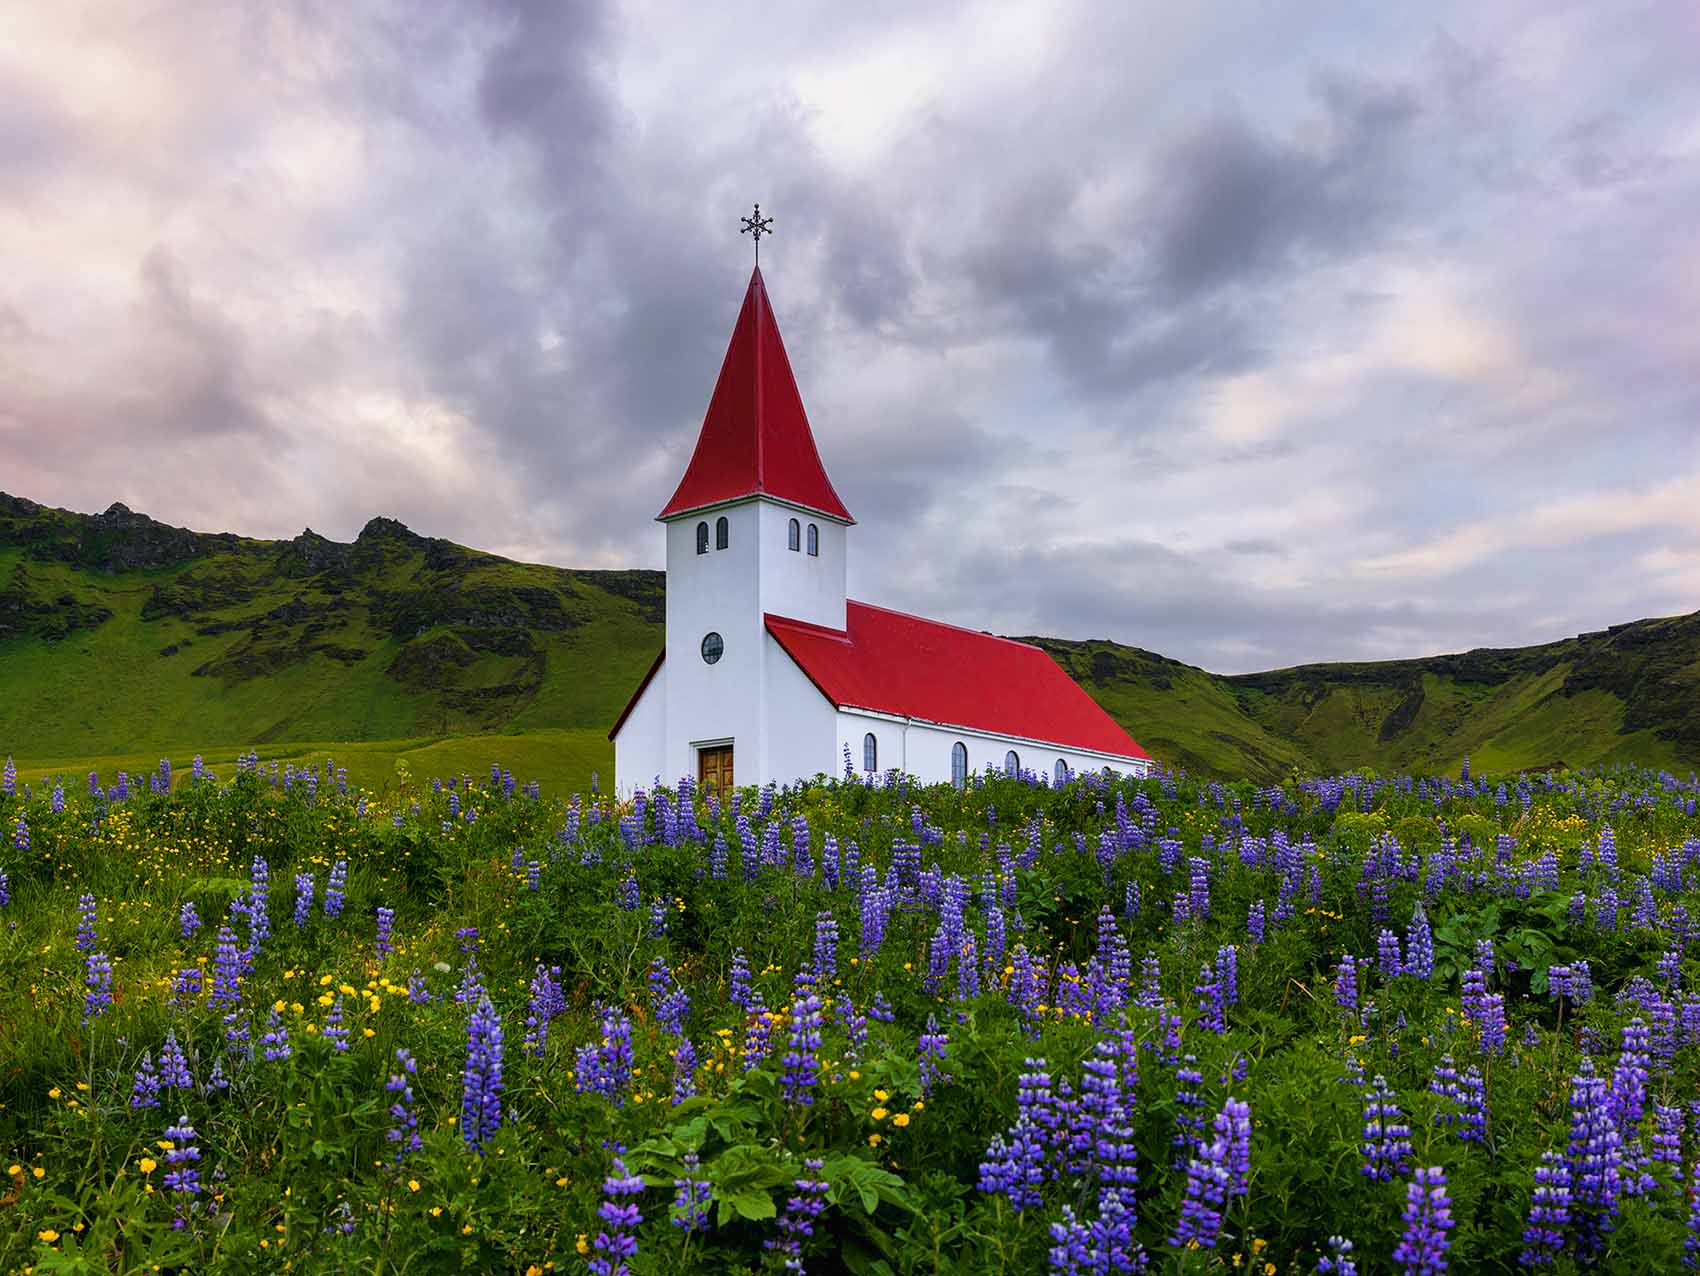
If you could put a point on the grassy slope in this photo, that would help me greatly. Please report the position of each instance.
(122, 639)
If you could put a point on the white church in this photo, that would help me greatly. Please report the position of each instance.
(769, 672)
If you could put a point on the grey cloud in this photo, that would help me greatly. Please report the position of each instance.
(1238, 201)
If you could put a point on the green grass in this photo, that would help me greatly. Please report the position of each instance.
(562, 760)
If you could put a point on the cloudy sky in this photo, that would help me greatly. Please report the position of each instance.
(1243, 333)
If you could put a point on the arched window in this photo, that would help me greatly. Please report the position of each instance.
(702, 538)
(722, 533)
(959, 764)
(814, 541)
(870, 753)
(792, 532)
(1011, 764)
(1059, 775)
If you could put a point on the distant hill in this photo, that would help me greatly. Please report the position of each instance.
(120, 634)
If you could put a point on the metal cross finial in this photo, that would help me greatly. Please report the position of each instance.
(756, 226)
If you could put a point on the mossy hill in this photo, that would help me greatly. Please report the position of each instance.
(120, 635)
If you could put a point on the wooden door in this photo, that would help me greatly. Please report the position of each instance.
(714, 767)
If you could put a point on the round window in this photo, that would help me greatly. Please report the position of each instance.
(712, 646)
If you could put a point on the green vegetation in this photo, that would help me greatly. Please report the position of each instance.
(973, 1026)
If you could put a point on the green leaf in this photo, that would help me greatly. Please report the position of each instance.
(752, 1205)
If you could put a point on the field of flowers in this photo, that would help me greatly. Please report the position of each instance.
(264, 1021)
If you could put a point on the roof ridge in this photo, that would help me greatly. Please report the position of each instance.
(945, 624)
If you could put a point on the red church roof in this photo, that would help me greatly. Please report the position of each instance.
(894, 663)
(755, 439)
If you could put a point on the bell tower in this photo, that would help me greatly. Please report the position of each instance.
(755, 528)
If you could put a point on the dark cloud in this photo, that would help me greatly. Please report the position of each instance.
(1238, 201)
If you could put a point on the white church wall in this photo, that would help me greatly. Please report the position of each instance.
(714, 592)
(794, 583)
(923, 749)
(640, 750)
(800, 739)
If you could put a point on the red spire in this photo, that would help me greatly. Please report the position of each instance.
(756, 439)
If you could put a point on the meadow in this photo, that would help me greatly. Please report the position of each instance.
(257, 1018)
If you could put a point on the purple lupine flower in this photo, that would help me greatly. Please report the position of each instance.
(1228, 973)
(547, 1001)
(691, 1197)
(1387, 954)
(741, 996)
(182, 1178)
(797, 1221)
(1472, 1100)
(481, 1092)
(1150, 982)
(1015, 1166)
(334, 1031)
(1668, 1123)
(879, 1010)
(628, 893)
(174, 1064)
(1419, 946)
(237, 1037)
(227, 970)
(58, 800)
(9, 778)
(1549, 1212)
(1071, 1255)
(802, 1067)
(1233, 1126)
(144, 1090)
(1595, 1157)
(386, 925)
(1338, 1261)
(1207, 1183)
(188, 920)
(1444, 1082)
(1428, 1220)
(404, 1127)
(305, 888)
(758, 1037)
(605, 1068)
(1211, 1003)
(826, 948)
(1387, 1139)
(86, 914)
(617, 1241)
(98, 998)
(1346, 983)
(5, 889)
(186, 986)
(1254, 923)
(259, 902)
(274, 1043)
(933, 1045)
(335, 886)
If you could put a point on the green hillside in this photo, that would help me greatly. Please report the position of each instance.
(119, 635)
(122, 639)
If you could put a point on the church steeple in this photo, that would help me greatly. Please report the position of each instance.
(755, 439)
